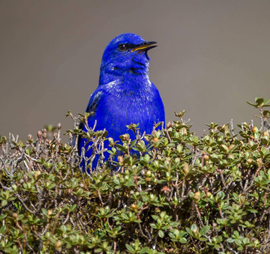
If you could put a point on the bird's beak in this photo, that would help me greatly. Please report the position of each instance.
(145, 46)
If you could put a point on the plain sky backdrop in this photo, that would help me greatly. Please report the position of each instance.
(212, 57)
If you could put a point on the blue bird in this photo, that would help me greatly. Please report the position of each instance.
(125, 93)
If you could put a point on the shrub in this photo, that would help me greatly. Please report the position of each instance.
(178, 193)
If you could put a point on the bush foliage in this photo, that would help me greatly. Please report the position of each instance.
(178, 193)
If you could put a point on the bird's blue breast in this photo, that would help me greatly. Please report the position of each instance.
(124, 102)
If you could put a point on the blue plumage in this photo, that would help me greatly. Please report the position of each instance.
(125, 94)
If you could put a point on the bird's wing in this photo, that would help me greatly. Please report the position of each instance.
(93, 103)
(91, 108)
(101, 92)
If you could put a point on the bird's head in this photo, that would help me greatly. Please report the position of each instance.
(125, 54)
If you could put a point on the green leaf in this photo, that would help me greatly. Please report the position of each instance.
(252, 210)
(130, 249)
(4, 203)
(160, 233)
(183, 240)
(204, 230)
(144, 250)
(174, 224)
(203, 239)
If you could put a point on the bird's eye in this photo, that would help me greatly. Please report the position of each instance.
(123, 47)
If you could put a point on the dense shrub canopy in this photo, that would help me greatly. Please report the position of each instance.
(178, 193)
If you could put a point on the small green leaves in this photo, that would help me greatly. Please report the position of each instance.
(260, 103)
(204, 230)
(178, 236)
(136, 248)
(197, 233)
(181, 114)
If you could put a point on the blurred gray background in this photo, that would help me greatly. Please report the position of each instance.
(212, 57)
